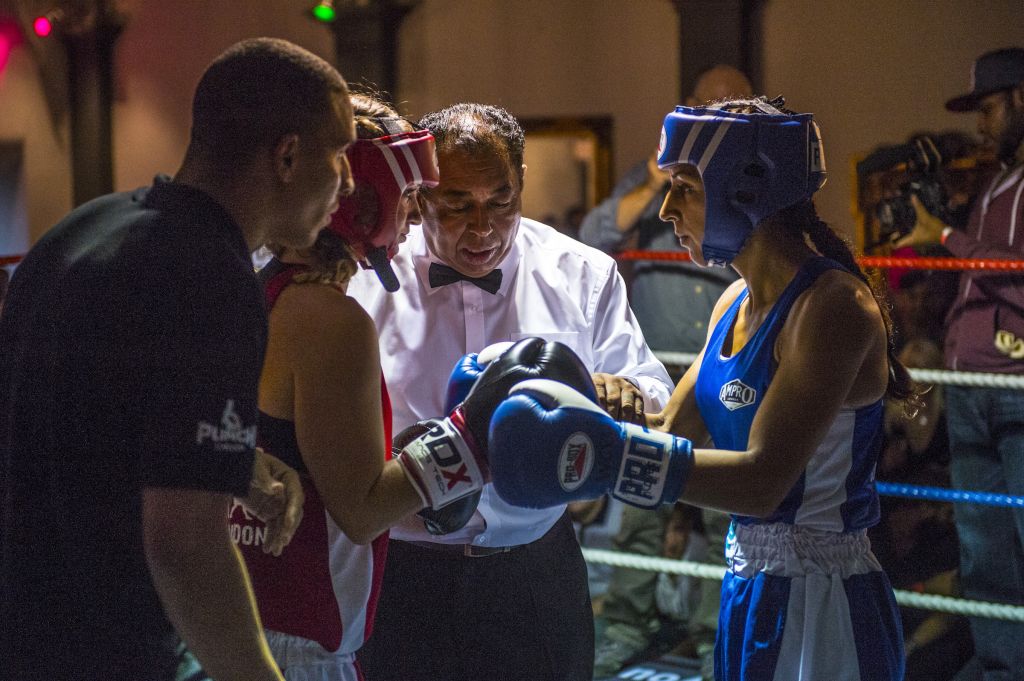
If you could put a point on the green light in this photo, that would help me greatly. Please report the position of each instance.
(324, 12)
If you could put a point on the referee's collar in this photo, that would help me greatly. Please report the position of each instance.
(422, 257)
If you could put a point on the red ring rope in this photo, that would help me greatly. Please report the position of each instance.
(867, 261)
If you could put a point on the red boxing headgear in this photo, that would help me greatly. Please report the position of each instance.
(383, 169)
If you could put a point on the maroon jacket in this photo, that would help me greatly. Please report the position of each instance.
(985, 326)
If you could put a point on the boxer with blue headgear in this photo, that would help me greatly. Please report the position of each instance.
(752, 165)
(384, 170)
(778, 420)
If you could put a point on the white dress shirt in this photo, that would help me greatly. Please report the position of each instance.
(553, 287)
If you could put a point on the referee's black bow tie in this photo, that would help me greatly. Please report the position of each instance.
(442, 275)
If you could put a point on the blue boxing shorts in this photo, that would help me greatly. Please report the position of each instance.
(800, 603)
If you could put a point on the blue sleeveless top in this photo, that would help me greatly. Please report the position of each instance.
(836, 492)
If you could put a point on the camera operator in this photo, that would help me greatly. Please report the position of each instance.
(985, 332)
(946, 172)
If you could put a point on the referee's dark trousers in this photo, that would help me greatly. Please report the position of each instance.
(516, 615)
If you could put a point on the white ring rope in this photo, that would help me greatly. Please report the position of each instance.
(972, 379)
(911, 599)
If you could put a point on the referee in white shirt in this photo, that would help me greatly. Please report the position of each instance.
(504, 597)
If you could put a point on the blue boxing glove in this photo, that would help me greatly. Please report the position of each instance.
(467, 370)
(479, 383)
(550, 445)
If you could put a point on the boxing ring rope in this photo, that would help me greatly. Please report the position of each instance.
(874, 261)
(956, 496)
(865, 261)
(910, 599)
(971, 379)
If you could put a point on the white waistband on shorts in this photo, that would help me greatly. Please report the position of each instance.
(305, 660)
(792, 550)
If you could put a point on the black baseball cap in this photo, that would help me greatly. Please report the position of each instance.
(992, 72)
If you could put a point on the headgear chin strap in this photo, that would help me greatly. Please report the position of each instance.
(752, 165)
(383, 169)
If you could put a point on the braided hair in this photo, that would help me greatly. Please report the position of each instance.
(803, 216)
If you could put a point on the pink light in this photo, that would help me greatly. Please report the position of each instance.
(6, 46)
(42, 26)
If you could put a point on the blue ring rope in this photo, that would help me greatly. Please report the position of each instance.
(891, 489)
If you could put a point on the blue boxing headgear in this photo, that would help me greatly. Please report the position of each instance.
(752, 165)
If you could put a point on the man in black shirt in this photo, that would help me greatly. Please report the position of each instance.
(130, 351)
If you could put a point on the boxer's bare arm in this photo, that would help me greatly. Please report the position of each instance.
(323, 372)
(202, 582)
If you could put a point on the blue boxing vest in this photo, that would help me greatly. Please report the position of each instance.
(836, 491)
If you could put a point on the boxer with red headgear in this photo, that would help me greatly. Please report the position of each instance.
(386, 170)
(324, 408)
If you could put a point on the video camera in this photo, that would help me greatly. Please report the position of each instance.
(922, 162)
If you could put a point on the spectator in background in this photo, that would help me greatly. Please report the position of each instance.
(985, 332)
(672, 302)
(920, 297)
(915, 541)
(573, 220)
(916, 544)
(919, 440)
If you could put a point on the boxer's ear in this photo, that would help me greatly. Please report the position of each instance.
(285, 157)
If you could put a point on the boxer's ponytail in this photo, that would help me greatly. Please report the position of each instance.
(804, 216)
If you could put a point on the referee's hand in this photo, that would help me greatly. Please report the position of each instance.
(276, 498)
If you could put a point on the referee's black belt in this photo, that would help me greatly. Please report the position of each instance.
(561, 531)
(467, 550)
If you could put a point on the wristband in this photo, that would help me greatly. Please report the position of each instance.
(946, 231)
(653, 469)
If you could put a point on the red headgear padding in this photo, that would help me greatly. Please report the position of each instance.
(383, 169)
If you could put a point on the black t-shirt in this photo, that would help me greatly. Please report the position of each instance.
(131, 344)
